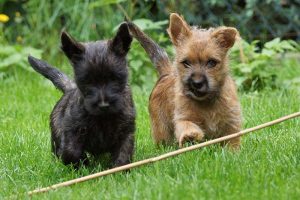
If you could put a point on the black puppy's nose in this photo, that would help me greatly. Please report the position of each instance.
(199, 83)
(103, 105)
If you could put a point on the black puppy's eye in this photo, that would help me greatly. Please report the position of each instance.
(186, 63)
(88, 92)
(211, 63)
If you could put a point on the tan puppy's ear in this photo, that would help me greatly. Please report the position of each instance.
(178, 29)
(225, 36)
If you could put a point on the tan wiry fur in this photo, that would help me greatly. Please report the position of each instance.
(175, 111)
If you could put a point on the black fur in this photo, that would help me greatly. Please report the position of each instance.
(60, 80)
(96, 114)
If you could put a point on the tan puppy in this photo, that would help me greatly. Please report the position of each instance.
(195, 98)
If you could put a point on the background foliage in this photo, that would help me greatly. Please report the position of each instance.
(35, 26)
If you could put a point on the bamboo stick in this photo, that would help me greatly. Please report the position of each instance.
(163, 156)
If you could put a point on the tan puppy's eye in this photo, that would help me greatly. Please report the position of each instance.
(186, 63)
(211, 63)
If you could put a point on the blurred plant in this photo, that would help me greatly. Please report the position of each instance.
(255, 69)
(39, 23)
(143, 73)
(4, 18)
(15, 56)
(255, 19)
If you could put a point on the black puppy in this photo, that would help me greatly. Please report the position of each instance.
(96, 113)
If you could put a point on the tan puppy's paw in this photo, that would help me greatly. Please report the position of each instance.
(233, 144)
(192, 135)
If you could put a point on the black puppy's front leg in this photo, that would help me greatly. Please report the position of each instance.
(123, 153)
(72, 151)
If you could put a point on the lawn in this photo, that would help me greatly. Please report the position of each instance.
(266, 167)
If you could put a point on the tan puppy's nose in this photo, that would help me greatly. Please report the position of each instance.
(199, 83)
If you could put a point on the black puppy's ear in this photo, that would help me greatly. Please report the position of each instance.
(121, 42)
(71, 47)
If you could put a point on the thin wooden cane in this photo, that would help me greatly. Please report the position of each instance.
(163, 156)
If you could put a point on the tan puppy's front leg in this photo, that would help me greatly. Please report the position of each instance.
(186, 131)
(234, 143)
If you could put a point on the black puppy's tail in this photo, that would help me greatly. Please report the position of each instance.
(59, 79)
(158, 56)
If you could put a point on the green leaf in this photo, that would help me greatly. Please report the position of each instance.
(102, 3)
(10, 60)
(146, 24)
(16, 56)
(273, 43)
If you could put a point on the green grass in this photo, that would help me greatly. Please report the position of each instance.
(267, 166)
